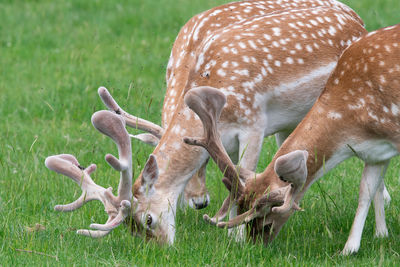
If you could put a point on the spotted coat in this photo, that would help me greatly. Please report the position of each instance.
(271, 68)
(357, 114)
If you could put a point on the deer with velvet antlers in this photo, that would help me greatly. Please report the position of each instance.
(270, 67)
(356, 115)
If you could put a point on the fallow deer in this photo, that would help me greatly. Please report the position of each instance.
(190, 38)
(357, 114)
(271, 67)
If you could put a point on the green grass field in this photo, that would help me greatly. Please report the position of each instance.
(53, 57)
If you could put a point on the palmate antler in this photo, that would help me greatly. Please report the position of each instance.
(117, 207)
(207, 103)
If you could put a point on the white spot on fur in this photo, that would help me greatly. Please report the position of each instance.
(332, 30)
(275, 43)
(221, 73)
(176, 145)
(394, 109)
(249, 85)
(372, 115)
(243, 72)
(277, 31)
(360, 104)
(334, 115)
(387, 48)
(263, 71)
(268, 37)
(369, 83)
(289, 60)
(252, 44)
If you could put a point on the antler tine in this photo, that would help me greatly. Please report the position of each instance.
(221, 213)
(207, 103)
(124, 211)
(297, 181)
(146, 138)
(236, 221)
(111, 224)
(260, 208)
(92, 233)
(68, 165)
(280, 200)
(131, 120)
(112, 125)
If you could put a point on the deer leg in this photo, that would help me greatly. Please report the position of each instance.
(280, 137)
(380, 199)
(196, 194)
(386, 195)
(250, 145)
(372, 178)
(379, 207)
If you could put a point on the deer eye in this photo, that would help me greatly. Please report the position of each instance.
(149, 220)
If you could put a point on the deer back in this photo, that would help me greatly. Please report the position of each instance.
(364, 88)
(201, 27)
(254, 63)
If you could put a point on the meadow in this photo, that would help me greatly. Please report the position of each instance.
(53, 57)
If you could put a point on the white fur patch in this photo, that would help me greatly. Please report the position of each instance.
(334, 115)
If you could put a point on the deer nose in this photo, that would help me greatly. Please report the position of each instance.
(200, 205)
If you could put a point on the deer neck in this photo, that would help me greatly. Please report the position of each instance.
(177, 161)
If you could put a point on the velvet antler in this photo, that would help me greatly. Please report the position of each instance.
(117, 207)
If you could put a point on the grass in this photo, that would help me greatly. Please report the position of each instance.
(54, 56)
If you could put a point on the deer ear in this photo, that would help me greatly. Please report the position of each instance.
(150, 172)
(292, 167)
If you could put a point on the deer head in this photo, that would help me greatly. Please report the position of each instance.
(208, 102)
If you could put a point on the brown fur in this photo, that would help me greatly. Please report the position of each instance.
(197, 67)
(320, 135)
